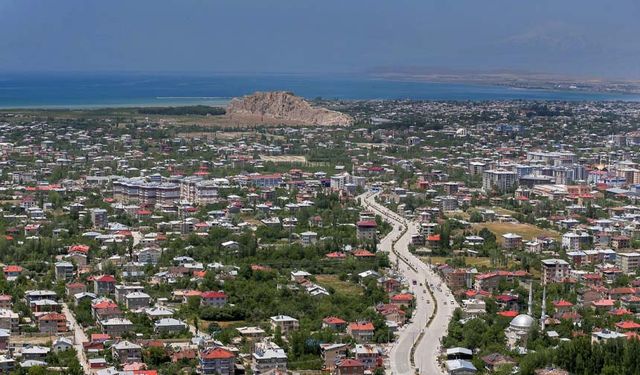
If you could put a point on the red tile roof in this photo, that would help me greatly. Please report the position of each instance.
(350, 363)
(367, 224)
(79, 249)
(216, 353)
(213, 294)
(628, 324)
(336, 255)
(604, 303)
(433, 237)
(363, 253)
(333, 320)
(105, 279)
(508, 313)
(99, 337)
(12, 269)
(402, 297)
(620, 312)
(104, 304)
(53, 316)
(562, 303)
(368, 326)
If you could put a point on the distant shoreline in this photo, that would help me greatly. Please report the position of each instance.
(523, 81)
(58, 92)
(222, 102)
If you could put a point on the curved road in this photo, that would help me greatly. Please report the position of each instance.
(412, 268)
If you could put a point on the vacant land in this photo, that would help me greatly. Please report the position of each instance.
(469, 261)
(284, 158)
(527, 231)
(342, 287)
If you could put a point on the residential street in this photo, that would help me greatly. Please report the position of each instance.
(79, 337)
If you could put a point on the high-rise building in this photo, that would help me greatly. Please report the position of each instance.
(499, 180)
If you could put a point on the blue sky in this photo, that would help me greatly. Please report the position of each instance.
(574, 37)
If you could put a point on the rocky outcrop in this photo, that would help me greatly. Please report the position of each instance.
(286, 107)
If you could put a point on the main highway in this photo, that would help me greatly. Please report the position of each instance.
(417, 347)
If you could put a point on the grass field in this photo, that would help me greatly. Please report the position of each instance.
(470, 261)
(342, 287)
(527, 231)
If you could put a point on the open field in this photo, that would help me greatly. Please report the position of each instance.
(284, 158)
(343, 287)
(527, 231)
(232, 323)
(470, 261)
(166, 120)
(21, 340)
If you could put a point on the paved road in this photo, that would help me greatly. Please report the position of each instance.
(412, 268)
(79, 338)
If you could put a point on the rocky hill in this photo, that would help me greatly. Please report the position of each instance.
(286, 107)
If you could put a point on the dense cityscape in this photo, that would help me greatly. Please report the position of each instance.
(425, 237)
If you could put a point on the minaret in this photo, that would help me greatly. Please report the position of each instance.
(543, 315)
(530, 310)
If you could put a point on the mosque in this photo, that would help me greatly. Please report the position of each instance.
(518, 330)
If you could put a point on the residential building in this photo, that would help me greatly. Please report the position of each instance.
(499, 180)
(511, 241)
(554, 270)
(213, 298)
(217, 361)
(99, 218)
(126, 351)
(361, 332)
(367, 230)
(628, 262)
(64, 271)
(52, 323)
(286, 323)
(268, 357)
(104, 285)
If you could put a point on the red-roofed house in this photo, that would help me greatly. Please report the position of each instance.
(361, 332)
(392, 313)
(620, 312)
(212, 298)
(84, 249)
(104, 285)
(616, 293)
(562, 306)
(363, 254)
(433, 240)
(333, 322)
(627, 325)
(603, 304)
(402, 299)
(350, 367)
(105, 309)
(336, 255)
(217, 361)
(11, 272)
(52, 323)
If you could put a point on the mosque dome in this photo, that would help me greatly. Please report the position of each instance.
(522, 322)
